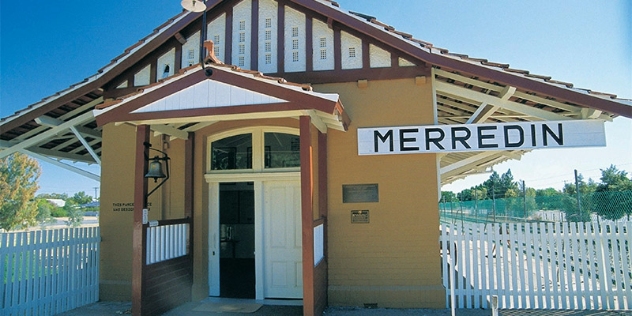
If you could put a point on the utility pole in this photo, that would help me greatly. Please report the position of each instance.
(95, 192)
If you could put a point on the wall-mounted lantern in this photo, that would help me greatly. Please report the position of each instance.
(155, 170)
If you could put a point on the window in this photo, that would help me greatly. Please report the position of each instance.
(268, 47)
(242, 61)
(256, 150)
(232, 153)
(216, 39)
(295, 56)
(242, 49)
(242, 25)
(323, 54)
(323, 42)
(268, 22)
(295, 31)
(282, 150)
(268, 35)
(268, 59)
(295, 44)
(242, 37)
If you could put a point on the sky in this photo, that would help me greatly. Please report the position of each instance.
(45, 46)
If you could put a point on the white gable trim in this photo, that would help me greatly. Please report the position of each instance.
(208, 94)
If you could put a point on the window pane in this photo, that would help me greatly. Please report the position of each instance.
(282, 150)
(233, 152)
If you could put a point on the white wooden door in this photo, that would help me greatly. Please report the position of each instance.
(282, 240)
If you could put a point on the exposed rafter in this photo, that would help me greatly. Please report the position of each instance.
(457, 92)
(63, 165)
(86, 145)
(82, 109)
(52, 132)
(484, 111)
(53, 122)
(169, 130)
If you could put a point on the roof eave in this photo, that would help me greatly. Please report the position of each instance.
(607, 105)
(104, 75)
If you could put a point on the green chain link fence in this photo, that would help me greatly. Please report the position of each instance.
(597, 206)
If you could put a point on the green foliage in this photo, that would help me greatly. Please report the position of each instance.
(573, 211)
(612, 205)
(58, 212)
(18, 184)
(448, 196)
(495, 187)
(81, 198)
(473, 194)
(613, 179)
(584, 187)
(59, 196)
(44, 211)
(75, 214)
(547, 199)
(613, 198)
(500, 195)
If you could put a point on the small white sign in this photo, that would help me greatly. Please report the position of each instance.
(480, 137)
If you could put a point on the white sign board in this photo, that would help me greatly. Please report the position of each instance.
(480, 137)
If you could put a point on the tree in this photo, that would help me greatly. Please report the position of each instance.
(613, 197)
(548, 199)
(45, 211)
(569, 202)
(497, 185)
(448, 196)
(18, 184)
(58, 196)
(613, 179)
(75, 214)
(81, 198)
(584, 187)
(465, 195)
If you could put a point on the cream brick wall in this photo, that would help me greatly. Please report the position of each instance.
(393, 260)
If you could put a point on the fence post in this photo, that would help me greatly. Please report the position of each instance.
(579, 204)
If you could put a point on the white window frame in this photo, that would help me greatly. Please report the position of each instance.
(258, 149)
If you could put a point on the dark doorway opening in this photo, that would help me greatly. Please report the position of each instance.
(237, 239)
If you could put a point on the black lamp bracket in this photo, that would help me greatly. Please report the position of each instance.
(164, 158)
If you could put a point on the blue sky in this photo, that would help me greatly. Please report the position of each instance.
(45, 46)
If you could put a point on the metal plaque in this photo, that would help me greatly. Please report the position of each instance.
(360, 193)
(360, 217)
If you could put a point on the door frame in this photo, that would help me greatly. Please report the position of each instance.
(213, 180)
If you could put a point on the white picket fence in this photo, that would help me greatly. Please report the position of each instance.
(47, 272)
(538, 265)
(166, 242)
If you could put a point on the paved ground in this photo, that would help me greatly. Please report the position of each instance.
(124, 308)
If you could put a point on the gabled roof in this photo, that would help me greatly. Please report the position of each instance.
(195, 98)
